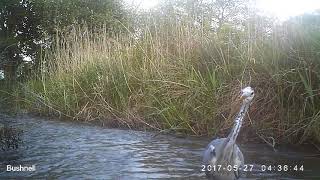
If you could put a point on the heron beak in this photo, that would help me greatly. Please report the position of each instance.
(242, 97)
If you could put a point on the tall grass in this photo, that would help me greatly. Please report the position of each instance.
(177, 76)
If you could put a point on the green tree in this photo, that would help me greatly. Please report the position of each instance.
(28, 25)
(18, 32)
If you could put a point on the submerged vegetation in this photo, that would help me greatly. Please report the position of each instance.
(10, 138)
(176, 74)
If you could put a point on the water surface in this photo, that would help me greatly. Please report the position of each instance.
(69, 150)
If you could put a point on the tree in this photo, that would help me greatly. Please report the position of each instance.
(228, 11)
(210, 14)
(28, 25)
(18, 29)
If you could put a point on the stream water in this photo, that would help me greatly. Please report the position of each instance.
(66, 150)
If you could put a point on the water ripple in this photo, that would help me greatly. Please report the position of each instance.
(64, 150)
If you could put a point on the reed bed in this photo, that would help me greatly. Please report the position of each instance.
(177, 76)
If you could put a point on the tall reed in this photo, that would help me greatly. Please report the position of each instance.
(177, 76)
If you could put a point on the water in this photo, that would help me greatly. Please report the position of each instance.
(65, 150)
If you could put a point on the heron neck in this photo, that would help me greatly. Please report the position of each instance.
(230, 141)
(238, 122)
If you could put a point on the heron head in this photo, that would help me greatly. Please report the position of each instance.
(247, 94)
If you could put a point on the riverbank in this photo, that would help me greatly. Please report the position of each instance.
(183, 79)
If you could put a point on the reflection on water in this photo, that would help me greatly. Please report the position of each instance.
(72, 150)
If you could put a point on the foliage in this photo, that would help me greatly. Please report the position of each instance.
(27, 26)
(18, 29)
(174, 76)
(177, 72)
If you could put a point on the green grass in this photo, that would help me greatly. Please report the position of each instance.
(182, 78)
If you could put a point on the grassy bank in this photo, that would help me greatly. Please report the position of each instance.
(182, 77)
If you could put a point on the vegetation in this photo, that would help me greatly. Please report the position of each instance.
(173, 73)
(10, 138)
(29, 26)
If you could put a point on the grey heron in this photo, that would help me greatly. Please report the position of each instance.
(223, 156)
